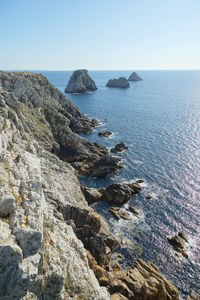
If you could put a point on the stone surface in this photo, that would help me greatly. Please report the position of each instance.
(80, 82)
(119, 213)
(119, 148)
(47, 228)
(134, 77)
(194, 296)
(120, 192)
(141, 282)
(54, 121)
(104, 133)
(121, 82)
(133, 210)
(178, 243)
(41, 256)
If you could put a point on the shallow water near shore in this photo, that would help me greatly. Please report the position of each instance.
(159, 120)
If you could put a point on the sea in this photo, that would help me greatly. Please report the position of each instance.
(159, 120)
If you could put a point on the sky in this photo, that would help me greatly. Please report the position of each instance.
(99, 34)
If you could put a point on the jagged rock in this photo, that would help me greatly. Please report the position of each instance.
(119, 213)
(121, 82)
(119, 148)
(105, 133)
(80, 82)
(39, 251)
(178, 243)
(120, 192)
(149, 197)
(134, 77)
(91, 195)
(133, 210)
(44, 238)
(103, 166)
(193, 296)
(143, 281)
(53, 120)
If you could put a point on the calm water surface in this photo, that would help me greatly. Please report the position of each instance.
(159, 119)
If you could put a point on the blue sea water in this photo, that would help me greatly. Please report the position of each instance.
(159, 119)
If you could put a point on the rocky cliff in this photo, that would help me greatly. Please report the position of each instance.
(52, 244)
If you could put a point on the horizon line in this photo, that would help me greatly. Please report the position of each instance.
(92, 70)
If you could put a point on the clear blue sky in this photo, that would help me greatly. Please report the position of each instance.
(99, 34)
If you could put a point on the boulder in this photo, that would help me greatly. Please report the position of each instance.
(149, 196)
(121, 82)
(119, 213)
(134, 77)
(178, 243)
(104, 133)
(119, 148)
(133, 210)
(92, 195)
(120, 192)
(80, 82)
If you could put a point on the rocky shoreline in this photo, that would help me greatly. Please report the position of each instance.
(53, 245)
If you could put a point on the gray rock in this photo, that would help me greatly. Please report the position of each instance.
(121, 82)
(120, 192)
(134, 77)
(80, 82)
(119, 148)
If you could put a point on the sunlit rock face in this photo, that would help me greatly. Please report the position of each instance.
(80, 82)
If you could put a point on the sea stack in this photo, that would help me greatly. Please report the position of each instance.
(134, 77)
(80, 82)
(121, 82)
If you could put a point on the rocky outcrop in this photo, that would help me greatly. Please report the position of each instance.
(40, 255)
(46, 225)
(194, 296)
(80, 82)
(54, 122)
(143, 281)
(134, 77)
(119, 213)
(119, 148)
(121, 82)
(178, 242)
(104, 133)
(120, 192)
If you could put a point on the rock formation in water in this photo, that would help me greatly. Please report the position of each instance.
(121, 82)
(105, 133)
(119, 148)
(134, 77)
(178, 242)
(80, 82)
(52, 244)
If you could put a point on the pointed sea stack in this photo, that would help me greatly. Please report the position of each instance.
(134, 77)
(80, 82)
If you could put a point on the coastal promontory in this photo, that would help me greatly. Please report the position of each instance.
(80, 82)
(121, 82)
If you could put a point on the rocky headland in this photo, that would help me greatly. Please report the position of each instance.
(134, 77)
(80, 82)
(121, 82)
(53, 245)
